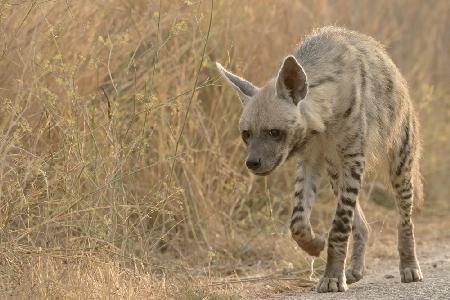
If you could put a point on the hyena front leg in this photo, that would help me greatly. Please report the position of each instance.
(360, 229)
(404, 187)
(306, 181)
(334, 279)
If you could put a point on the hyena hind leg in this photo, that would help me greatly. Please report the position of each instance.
(360, 233)
(403, 180)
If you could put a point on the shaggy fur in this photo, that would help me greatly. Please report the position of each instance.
(338, 103)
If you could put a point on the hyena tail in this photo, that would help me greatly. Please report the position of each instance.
(405, 173)
(416, 175)
(418, 190)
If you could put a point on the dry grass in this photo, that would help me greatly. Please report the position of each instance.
(121, 174)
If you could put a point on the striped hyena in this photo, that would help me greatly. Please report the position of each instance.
(338, 102)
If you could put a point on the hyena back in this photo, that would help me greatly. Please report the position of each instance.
(338, 103)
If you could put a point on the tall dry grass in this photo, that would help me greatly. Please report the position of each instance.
(119, 143)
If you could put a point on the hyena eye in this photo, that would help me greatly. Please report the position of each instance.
(275, 133)
(245, 135)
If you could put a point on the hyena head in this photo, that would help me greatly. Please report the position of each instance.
(271, 124)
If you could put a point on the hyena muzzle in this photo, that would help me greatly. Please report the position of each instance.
(340, 104)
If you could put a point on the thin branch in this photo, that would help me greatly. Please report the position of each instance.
(194, 87)
(109, 68)
(304, 282)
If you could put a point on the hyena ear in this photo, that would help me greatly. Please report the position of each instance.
(244, 88)
(291, 81)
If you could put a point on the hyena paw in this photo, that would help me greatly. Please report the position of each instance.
(332, 284)
(411, 274)
(306, 239)
(353, 275)
(313, 247)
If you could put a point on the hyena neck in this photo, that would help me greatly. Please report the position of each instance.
(303, 142)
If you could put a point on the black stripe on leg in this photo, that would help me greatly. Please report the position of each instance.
(346, 219)
(356, 163)
(295, 220)
(352, 190)
(299, 194)
(348, 201)
(340, 226)
(297, 209)
(341, 211)
(355, 175)
(405, 189)
(339, 238)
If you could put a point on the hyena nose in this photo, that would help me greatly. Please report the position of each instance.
(253, 164)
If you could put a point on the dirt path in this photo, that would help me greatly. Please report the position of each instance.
(383, 280)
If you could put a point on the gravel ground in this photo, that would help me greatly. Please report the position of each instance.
(383, 281)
